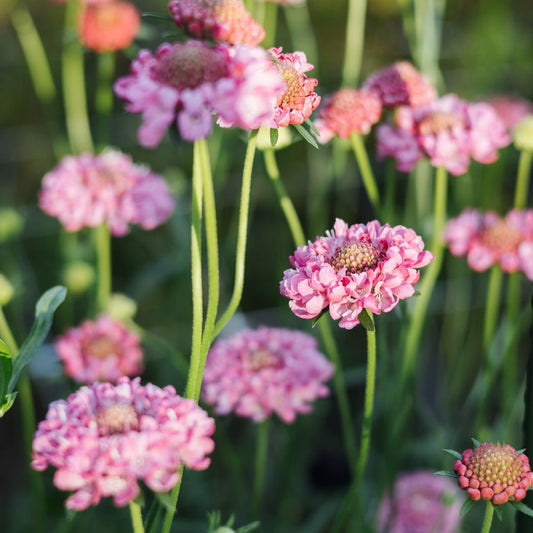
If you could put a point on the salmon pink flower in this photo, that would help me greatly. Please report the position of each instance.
(88, 190)
(101, 350)
(256, 373)
(364, 266)
(105, 438)
(486, 239)
(511, 109)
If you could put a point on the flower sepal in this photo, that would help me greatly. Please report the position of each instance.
(306, 136)
(365, 318)
(523, 508)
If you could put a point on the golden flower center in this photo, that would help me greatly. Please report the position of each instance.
(501, 236)
(437, 122)
(260, 359)
(355, 257)
(496, 463)
(101, 347)
(117, 418)
(294, 95)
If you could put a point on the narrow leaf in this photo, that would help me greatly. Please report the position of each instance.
(498, 511)
(9, 399)
(446, 473)
(466, 507)
(477, 444)
(523, 508)
(312, 126)
(306, 135)
(248, 527)
(274, 133)
(366, 320)
(6, 368)
(156, 15)
(457, 455)
(318, 317)
(44, 314)
(165, 499)
(518, 452)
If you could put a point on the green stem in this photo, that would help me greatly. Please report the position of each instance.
(136, 517)
(367, 175)
(102, 237)
(301, 31)
(171, 508)
(104, 95)
(266, 13)
(242, 233)
(492, 306)
(522, 179)
(260, 467)
(354, 42)
(487, 520)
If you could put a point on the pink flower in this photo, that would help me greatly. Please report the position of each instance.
(299, 100)
(449, 131)
(218, 20)
(105, 438)
(101, 350)
(187, 82)
(511, 109)
(347, 111)
(364, 266)
(420, 502)
(88, 190)
(269, 370)
(287, 2)
(486, 239)
(401, 84)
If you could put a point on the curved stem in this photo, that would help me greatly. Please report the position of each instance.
(136, 517)
(522, 179)
(487, 520)
(103, 258)
(260, 467)
(354, 42)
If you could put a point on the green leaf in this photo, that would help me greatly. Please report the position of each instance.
(518, 452)
(457, 455)
(165, 499)
(156, 15)
(306, 135)
(499, 513)
(312, 126)
(248, 527)
(44, 314)
(9, 399)
(477, 444)
(523, 508)
(466, 507)
(318, 317)
(366, 320)
(274, 133)
(6, 369)
(446, 473)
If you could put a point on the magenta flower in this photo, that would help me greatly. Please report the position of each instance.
(347, 111)
(269, 370)
(420, 502)
(101, 350)
(299, 100)
(105, 438)
(486, 239)
(449, 131)
(188, 82)
(511, 109)
(88, 190)
(401, 84)
(364, 266)
(218, 20)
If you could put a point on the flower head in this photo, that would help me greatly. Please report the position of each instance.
(104, 438)
(486, 239)
(107, 27)
(511, 109)
(347, 111)
(494, 472)
(88, 190)
(449, 131)
(101, 350)
(523, 134)
(401, 84)
(364, 266)
(219, 20)
(269, 370)
(420, 502)
(187, 82)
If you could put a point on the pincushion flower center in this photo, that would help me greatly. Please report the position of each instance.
(117, 418)
(101, 347)
(294, 95)
(355, 257)
(496, 464)
(260, 359)
(501, 236)
(437, 122)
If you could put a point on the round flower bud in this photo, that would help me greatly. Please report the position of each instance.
(121, 307)
(78, 276)
(6, 291)
(523, 134)
(11, 223)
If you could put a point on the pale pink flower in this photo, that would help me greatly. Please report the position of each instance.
(487, 239)
(363, 266)
(511, 109)
(449, 131)
(88, 190)
(101, 350)
(104, 438)
(299, 100)
(256, 373)
(420, 502)
(401, 84)
(347, 111)
(218, 20)
(186, 83)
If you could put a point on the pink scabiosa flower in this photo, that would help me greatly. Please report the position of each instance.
(363, 266)
(188, 82)
(494, 472)
(511, 109)
(101, 350)
(347, 111)
(299, 100)
(218, 20)
(449, 131)
(259, 372)
(401, 84)
(104, 438)
(487, 239)
(420, 502)
(88, 190)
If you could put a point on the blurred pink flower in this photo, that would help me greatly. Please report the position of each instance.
(449, 131)
(101, 350)
(269, 370)
(104, 438)
(401, 84)
(511, 109)
(188, 82)
(486, 239)
(347, 111)
(420, 502)
(287, 2)
(299, 100)
(363, 266)
(88, 190)
(218, 20)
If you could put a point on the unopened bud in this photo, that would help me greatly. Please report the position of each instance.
(78, 276)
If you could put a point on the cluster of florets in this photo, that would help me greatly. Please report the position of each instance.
(487, 239)
(363, 266)
(494, 472)
(256, 373)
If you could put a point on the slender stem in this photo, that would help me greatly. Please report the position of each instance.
(522, 179)
(369, 181)
(104, 95)
(266, 13)
(354, 42)
(487, 520)
(102, 237)
(171, 509)
(492, 306)
(242, 233)
(136, 517)
(260, 467)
